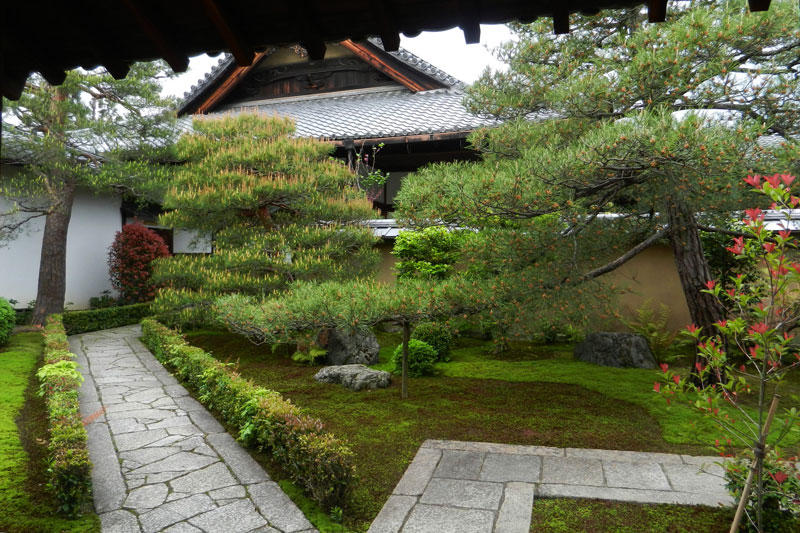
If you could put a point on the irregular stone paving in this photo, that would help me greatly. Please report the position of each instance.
(477, 487)
(161, 461)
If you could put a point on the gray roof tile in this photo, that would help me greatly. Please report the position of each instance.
(360, 114)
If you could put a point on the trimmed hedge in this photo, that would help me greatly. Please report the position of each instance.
(317, 461)
(108, 317)
(7, 321)
(69, 469)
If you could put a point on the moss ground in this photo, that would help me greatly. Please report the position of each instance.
(560, 515)
(532, 394)
(25, 504)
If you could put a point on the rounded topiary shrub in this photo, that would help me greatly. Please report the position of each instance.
(438, 336)
(421, 358)
(7, 320)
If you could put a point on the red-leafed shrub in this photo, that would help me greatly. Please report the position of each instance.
(129, 262)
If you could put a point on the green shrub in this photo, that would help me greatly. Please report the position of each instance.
(438, 336)
(652, 325)
(103, 301)
(429, 253)
(777, 516)
(421, 358)
(24, 317)
(318, 461)
(105, 318)
(69, 469)
(8, 320)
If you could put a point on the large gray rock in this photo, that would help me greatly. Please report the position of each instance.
(354, 377)
(621, 350)
(345, 348)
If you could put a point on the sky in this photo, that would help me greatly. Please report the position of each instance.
(444, 49)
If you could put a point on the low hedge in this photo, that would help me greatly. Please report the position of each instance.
(69, 469)
(316, 460)
(7, 321)
(108, 317)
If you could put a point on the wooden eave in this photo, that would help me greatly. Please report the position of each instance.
(222, 89)
(383, 62)
(410, 78)
(51, 37)
(400, 139)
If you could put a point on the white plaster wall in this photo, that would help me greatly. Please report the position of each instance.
(190, 242)
(95, 221)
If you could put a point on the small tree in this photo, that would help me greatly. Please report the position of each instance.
(654, 123)
(351, 306)
(280, 210)
(760, 316)
(130, 260)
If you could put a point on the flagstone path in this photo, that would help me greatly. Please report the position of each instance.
(161, 462)
(476, 487)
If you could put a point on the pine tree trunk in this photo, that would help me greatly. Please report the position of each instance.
(693, 272)
(53, 262)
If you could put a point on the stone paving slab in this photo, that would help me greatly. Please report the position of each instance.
(487, 487)
(161, 461)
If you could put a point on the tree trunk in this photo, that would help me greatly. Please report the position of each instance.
(693, 271)
(53, 262)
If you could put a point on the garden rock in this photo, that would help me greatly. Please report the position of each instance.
(621, 350)
(354, 377)
(346, 348)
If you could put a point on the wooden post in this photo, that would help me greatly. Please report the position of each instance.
(757, 463)
(404, 377)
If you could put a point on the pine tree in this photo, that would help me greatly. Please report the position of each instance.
(90, 133)
(279, 208)
(654, 123)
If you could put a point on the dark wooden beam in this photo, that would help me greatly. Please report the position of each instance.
(372, 59)
(117, 69)
(315, 48)
(228, 85)
(423, 137)
(13, 83)
(242, 52)
(469, 12)
(176, 61)
(758, 5)
(561, 22)
(472, 32)
(54, 77)
(656, 10)
(388, 30)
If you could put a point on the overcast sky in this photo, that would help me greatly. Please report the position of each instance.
(444, 49)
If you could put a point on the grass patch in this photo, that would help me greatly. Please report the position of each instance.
(561, 515)
(25, 503)
(321, 520)
(529, 395)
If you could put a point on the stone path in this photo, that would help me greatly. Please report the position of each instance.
(476, 487)
(161, 461)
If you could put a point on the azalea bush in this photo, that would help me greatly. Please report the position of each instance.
(761, 315)
(134, 248)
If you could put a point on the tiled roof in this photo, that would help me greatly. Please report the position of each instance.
(413, 61)
(371, 113)
(420, 64)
